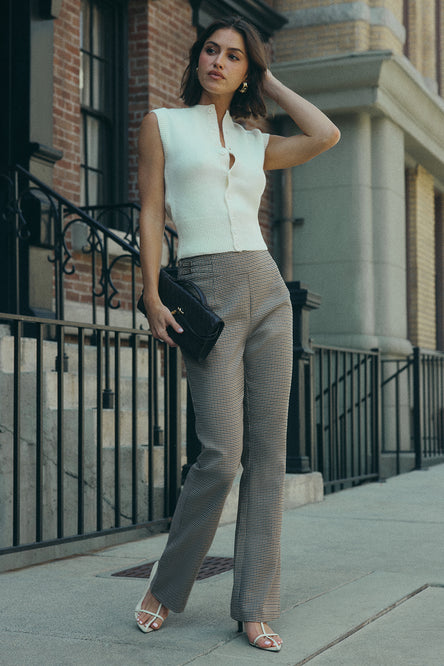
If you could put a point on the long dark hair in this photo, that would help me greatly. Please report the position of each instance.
(243, 105)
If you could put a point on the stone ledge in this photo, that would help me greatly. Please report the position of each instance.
(379, 83)
(299, 489)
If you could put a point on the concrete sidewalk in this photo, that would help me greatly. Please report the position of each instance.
(362, 583)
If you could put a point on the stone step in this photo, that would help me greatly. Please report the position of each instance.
(28, 408)
(71, 385)
(70, 485)
(71, 391)
(50, 353)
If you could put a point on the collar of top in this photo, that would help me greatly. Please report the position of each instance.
(227, 124)
(210, 110)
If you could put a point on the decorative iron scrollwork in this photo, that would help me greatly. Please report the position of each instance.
(45, 218)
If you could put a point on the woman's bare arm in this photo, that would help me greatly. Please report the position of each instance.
(152, 224)
(318, 132)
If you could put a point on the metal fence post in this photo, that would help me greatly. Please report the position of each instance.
(174, 378)
(417, 407)
(300, 431)
(377, 399)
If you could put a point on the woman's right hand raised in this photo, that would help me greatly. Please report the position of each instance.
(159, 318)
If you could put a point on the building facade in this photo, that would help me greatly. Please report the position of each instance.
(87, 444)
(362, 225)
(369, 236)
(81, 74)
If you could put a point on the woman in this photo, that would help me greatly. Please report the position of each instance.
(208, 173)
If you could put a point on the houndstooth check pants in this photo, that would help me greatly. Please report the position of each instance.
(240, 395)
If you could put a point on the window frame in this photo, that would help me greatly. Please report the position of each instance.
(113, 117)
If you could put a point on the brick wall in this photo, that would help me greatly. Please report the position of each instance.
(422, 39)
(138, 93)
(170, 37)
(416, 38)
(383, 39)
(160, 36)
(66, 109)
(333, 36)
(322, 40)
(421, 304)
(381, 30)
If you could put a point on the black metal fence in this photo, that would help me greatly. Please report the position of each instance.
(35, 215)
(428, 410)
(346, 415)
(368, 411)
(90, 409)
(90, 414)
(69, 467)
(413, 406)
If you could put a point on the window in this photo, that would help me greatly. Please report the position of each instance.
(104, 101)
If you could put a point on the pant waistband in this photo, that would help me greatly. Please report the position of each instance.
(245, 261)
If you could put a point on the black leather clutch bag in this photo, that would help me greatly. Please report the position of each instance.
(201, 326)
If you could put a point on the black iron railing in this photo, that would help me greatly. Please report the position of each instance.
(38, 215)
(413, 402)
(346, 415)
(42, 217)
(428, 410)
(123, 220)
(89, 411)
(397, 407)
(70, 468)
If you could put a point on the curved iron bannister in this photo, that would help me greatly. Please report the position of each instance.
(34, 214)
(61, 217)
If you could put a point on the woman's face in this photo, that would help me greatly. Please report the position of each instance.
(223, 64)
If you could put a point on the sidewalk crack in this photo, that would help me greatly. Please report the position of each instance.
(363, 624)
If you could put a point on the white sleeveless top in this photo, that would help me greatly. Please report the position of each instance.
(215, 208)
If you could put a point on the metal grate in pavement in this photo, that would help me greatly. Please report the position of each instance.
(211, 566)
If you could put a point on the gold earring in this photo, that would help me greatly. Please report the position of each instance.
(244, 87)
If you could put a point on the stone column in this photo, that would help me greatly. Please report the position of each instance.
(389, 237)
(390, 288)
(333, 250)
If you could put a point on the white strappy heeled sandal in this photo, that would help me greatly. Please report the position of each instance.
(272, 648)
(146, 628)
